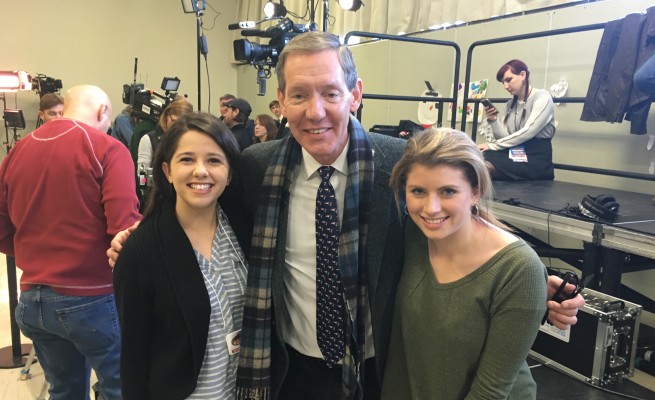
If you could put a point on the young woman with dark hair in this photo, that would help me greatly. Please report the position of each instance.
(181, 276)
(521, 148)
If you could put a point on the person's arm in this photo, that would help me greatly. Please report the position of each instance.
(117, 244)
(516, 312)
(144, 154)
(7, 229)
(134, 305)
(542, 113)
(121, 206)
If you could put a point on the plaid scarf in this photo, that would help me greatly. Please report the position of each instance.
(253, 376)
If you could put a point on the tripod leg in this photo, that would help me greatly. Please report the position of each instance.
(25, 372)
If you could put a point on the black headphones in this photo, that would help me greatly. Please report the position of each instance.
(604, 207)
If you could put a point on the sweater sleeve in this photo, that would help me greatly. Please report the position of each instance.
(519, 305)
(541, 114)
(133, 302)
(121, 206)
(7, 229)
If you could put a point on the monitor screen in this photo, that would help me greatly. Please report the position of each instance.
(170, 84)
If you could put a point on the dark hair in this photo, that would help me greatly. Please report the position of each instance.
(269, 123)
(273, 103)
(50, 100)
(444, 146)
(241, 117)
(204, 123)
(516, 66)
(226, 96)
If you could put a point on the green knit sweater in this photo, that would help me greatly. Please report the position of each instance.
(467, 339)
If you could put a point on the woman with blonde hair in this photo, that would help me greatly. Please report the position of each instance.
(466, 282)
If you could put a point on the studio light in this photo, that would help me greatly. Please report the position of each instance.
(351, 5)
(193, 6)
(274, 10)
(12, 81)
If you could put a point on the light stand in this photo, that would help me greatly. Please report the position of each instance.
(7, 143)
(14, 356)
(326, 14)
(197, 7)
(198, 47)
(13, 118)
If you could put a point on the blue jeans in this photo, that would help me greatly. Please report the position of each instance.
(71, 335)
(644, 77)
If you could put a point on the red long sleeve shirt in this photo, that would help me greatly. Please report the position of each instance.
(65, 190)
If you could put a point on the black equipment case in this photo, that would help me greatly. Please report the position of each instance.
(600, 349)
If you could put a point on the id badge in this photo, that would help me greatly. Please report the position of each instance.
(233, 342)
(517, 154)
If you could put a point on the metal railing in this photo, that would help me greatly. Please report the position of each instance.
(431, 99)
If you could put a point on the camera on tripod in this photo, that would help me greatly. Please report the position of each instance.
(147, 103)
(262, 56)
(43, 84)
(267, 55)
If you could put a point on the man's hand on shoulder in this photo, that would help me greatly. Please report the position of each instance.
(117, 244)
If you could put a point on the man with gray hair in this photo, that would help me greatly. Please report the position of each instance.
(327, 247)
(65, 190)
(328, 241)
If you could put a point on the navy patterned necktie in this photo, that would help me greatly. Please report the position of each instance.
(329, 289)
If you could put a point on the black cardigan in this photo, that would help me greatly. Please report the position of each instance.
(163, 308)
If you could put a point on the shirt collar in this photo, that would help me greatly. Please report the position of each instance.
(309, 165)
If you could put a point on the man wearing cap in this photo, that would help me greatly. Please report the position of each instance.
(236, 118)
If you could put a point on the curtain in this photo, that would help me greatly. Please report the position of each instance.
(394, 16)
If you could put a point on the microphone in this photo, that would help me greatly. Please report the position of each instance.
(254, 32)
(242, 25)
(270, 32)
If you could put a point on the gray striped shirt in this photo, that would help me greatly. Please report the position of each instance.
(225, 279)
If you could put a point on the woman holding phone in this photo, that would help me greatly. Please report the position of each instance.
(521, 146)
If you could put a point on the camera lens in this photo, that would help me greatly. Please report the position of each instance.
(245, 50)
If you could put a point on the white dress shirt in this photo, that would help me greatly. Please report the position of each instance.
(298, 319)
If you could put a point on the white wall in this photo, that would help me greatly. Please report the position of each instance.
(95, 42)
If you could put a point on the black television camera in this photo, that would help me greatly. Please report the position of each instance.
(147, 103)
(43, 84)
(258, 54)
(262, 56)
